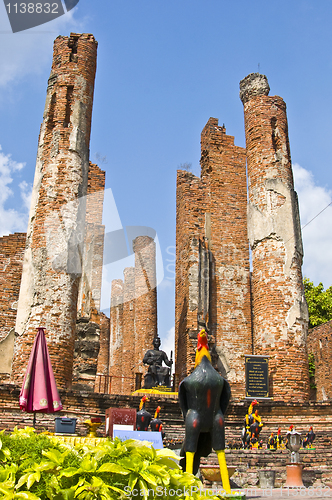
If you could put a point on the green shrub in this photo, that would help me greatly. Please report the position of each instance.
(37, 467)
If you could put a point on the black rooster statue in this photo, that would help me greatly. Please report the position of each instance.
(143, 417)
(156, 422)
(309, 439)
(204, 396)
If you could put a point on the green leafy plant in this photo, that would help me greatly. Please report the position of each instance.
(112, 470)
(312, 369)
(319, 302)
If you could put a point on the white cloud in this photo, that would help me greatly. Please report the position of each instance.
(317, 235)
(28, 52)
(26, 192)
(168, 343)
(12, 220)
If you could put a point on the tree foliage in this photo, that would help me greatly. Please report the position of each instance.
(319, 302)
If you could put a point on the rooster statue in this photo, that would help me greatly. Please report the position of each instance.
(309, 439)
(279, 439)
(143, 417)
(204, 396)
(156, 422)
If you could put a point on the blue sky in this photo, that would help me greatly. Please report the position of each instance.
(164, 67)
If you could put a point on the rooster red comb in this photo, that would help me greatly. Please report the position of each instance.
(202, 340)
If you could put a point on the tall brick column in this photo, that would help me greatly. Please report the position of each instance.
(190, 219)
(212, 245)
(128, 331)
(93, 248)
(223, 169)
(145, 298)
(52, 267)
(279, 307)
(116, 337)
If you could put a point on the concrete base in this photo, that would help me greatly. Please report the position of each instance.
(294, 476)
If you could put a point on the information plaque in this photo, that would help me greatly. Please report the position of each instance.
(257, 376)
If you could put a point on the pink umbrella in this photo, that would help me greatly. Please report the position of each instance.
(39, 391)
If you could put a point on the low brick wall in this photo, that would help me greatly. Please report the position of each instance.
(317, 463)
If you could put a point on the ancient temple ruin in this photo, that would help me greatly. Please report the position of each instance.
(52, 276)
(263, 312)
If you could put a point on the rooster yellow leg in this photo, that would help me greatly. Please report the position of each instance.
(190, 461)
(223, 470)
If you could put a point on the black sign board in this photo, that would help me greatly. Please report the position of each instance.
(257, 376)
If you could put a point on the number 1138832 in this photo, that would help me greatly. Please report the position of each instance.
(32, 8)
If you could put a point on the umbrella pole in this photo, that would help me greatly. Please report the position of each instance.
(34, 420)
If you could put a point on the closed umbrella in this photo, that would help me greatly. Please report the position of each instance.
(39, 391)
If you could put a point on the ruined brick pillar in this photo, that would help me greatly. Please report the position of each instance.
(145, 298)
(190, 222)
(93, 248)
(128, 330)
(279, 308)
(212, 253)
(116, 337)
(223, 169)
(52, 261)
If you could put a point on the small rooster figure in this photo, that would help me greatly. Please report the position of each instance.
(143, 417)
(309, 439)
(279, 439)
(252, 427)
(204, 396)
(271, 442)
(156, 423)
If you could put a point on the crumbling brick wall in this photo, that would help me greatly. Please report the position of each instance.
(85, 354)
(320, 345)
(52, 266)
(211, 213)
(279, 307)
(11, 262)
